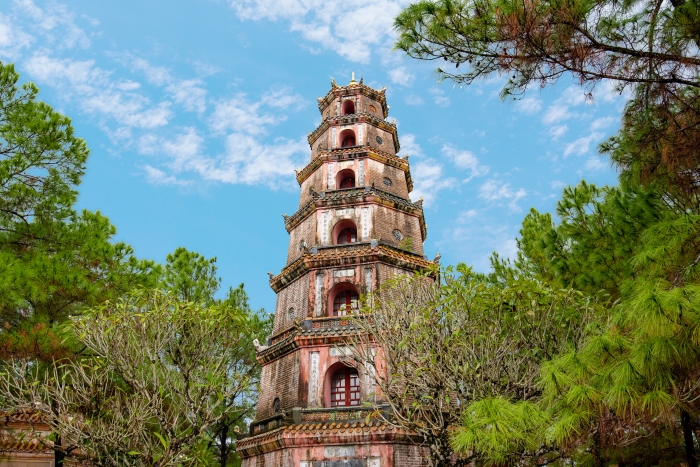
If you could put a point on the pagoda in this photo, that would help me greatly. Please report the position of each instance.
(355, 228)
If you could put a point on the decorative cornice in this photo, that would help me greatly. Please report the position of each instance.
(377, 95)
(355, 152)
(319, 434)
(347, 255)
(310, 332)
(337, 120)
(353, 196)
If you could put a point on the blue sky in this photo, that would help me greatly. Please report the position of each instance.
(197, 113)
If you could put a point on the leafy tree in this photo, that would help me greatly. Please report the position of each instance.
(648, 46)
(193, 278)
(632, 388)
(159, 378)
(632, 42)
(464, 354)
(53, 261)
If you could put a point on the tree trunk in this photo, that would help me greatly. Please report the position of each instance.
(597, 456)
(688, 439)
(58, 455)
(223, 442)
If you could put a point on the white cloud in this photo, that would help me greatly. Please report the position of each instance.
(12, 38)
(602, 122)
(582, 145)
(607, 92)
(494, 190)
(556, 113)
(558, 131)
(401, 76)
(55, 23)
(429, 179)
(413, 100)
(247, 157)
(439, 97)
(465, 216)
(282, 98)
(190, 93)
(158, 177)
(409, 146)
(508, 249)
(595, 163)
(95, 92)
(351, 29)
(465, 160)
(238, 115)
(528, 105)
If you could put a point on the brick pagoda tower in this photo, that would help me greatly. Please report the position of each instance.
(355, 228)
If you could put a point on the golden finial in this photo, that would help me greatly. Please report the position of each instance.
(352, 81)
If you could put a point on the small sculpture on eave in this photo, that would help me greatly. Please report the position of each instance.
(258, 347)
(437, 258)
(269, 273)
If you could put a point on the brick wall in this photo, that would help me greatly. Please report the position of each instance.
(376, 173)
(386, 220)
(387, 144)
(304, 231)
(279, 378)
(315, 181)
(410, 456)
(295, 295)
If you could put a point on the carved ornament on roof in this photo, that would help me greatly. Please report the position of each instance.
(354, 118)
(356, 152)
(352, 196)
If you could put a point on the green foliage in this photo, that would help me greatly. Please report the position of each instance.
(53, 260)
(159, 378)
(467, 352)
(192, 278)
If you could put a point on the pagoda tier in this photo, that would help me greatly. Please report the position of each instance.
(355, 228)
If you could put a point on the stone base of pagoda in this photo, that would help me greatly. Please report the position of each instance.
(342, 444)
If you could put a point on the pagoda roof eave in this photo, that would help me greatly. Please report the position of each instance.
(346, 196)
(357, 151)
(377, 95)
(348, 255)
(358, 117)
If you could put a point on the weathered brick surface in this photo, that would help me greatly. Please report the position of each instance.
(280, 379)
(387, 144)
(378, 171)
(386, 220)
(410, 456)
(296, 296)
(381, 223)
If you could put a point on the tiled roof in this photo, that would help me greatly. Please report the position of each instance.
(362, 117)
(15, 436)
(22, 416)
(338, 255)
(378, 95)
(370, 151)
(23, 444)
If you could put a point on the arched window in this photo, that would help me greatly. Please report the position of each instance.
(345, 231)
(348, 107)
(347, 138)
(345, 388)
(345, 302)
(348, 235)
(345, 179)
